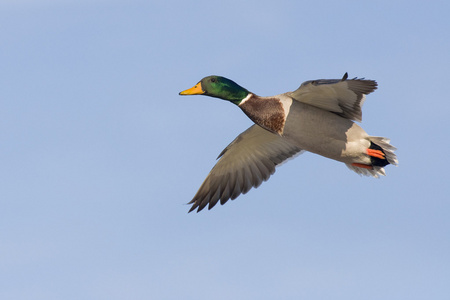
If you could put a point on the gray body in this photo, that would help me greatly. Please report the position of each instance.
(325, 133)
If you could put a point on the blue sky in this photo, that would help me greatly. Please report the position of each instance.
(100, 153)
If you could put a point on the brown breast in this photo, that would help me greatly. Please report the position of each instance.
(266, 112)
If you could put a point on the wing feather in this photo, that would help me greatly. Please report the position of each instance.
(342, 96)
(245, 163)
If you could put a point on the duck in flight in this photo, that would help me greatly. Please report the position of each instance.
(317, 117)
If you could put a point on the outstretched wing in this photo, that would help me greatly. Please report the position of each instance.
(245, 163)
(342, 96)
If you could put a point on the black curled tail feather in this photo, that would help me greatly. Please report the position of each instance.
(375, 161)
(382, 144)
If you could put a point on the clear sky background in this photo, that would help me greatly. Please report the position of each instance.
(99, 153)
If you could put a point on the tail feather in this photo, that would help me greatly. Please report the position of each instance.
(386, 147)
(378, 164)
(374, 172)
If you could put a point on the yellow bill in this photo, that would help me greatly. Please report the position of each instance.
(195, 90)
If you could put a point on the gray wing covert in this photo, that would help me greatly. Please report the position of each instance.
(344, 97)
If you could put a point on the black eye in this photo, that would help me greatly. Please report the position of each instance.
(213, 80)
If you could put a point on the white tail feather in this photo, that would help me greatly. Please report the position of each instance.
(375, 172)
(388, 150)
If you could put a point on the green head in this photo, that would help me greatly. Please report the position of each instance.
(219, 87)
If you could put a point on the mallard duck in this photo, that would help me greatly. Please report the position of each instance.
(317, 117)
